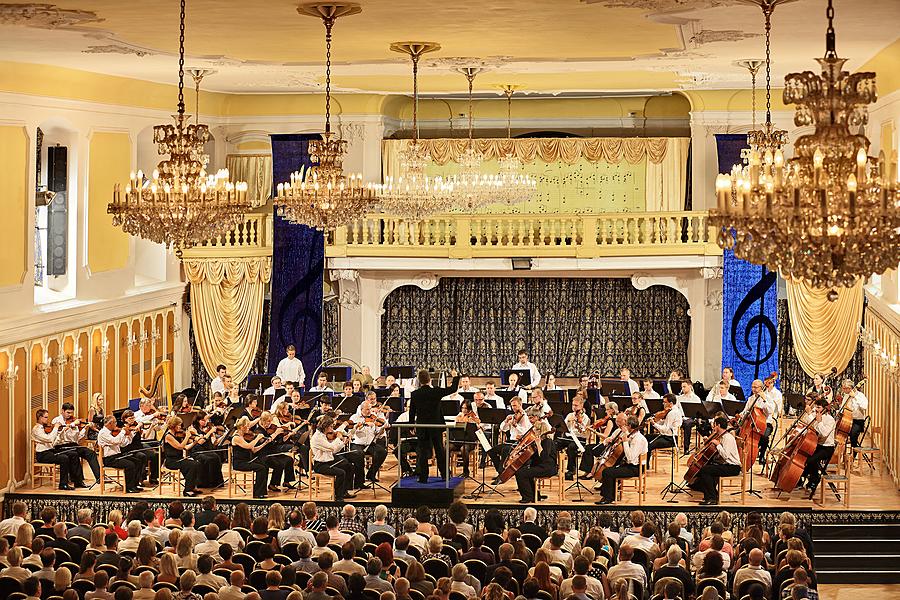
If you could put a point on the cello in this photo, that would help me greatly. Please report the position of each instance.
(610, 456)
(520, 455)
(844, 418)
(701, 457)
(790, 465)
(752, 426)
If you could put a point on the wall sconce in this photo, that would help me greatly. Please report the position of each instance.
(10, 375)
(75, 358)
(175, 330)
(130, 341)
(103, 349)
(155, 335)
(144, 338)
(44, 366)
(60, 362)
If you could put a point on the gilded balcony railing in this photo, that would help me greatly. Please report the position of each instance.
(250, 237)
(560, 235)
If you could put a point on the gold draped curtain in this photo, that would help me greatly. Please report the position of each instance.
(825, 333)
(227, 310)
(567, 150)
(256, 170)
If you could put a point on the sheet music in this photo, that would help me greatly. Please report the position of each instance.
(485, 444)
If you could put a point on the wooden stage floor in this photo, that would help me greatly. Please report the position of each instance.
(868, 491)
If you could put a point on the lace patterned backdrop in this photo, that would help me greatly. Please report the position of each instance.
(569, 326)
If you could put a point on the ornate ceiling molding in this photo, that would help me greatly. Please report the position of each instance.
(711, 36)
(458, 62)
(46, 16)
(117, 49)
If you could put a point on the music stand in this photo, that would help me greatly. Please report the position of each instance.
(661, 386)
(492, 417)
(508, 395)
(524, 376)
(118, 415)
(733, 407)
(654, 405)
(396, 406)
(556, 396)
(406, 372)
(381, 393)
(560, 425)
(449, 408)
(738, 392)
(232, 415)
(570, 393)
(338, 373)
(470, 396)
(347, 404)
(712, 407)
(615, 387)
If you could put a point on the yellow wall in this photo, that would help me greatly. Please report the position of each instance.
(14, 203)
(886, 65)
(109, 164)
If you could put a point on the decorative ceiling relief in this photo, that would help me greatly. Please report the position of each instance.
(710, 36)
(663, 6)
(45, 16)
(117, 49)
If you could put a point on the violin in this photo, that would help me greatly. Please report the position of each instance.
(601, 422)
(661, 415)
(255, 412)
(374, 421)
(117, 430)
(333, 434)
(49, 427)
(472, 417)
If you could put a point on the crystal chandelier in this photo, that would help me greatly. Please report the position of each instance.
(414, 195)
(322, 196)
(517, 186)
(830, 214)
(181, 205)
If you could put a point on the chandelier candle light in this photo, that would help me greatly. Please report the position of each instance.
(322, 197)
(829, 215)
(517, 186)
(180, 206)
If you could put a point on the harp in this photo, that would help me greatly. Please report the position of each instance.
(160, 388)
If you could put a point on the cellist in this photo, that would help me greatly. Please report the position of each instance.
(858, 404)
(728, 462)
(543, 462)
(824, 425)
(762, 401)
(634, 445)
(515, 425)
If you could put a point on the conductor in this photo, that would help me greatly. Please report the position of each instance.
(425, 408)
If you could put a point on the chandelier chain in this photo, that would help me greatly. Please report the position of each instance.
(329, 23)
(470, 75)
(415, 62)
(830, 48)
(753, 97)
(768, 13)
(509, 94)
(181, 62)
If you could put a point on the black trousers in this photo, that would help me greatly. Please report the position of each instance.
(189, 468)
(282, 466)
(764, 442)
(688, 427)
(151, 458)
(610, 475)
(403, 448)
(210, 475)
(708, 479)
(814, 464)
(572, 453)
(260, 475)
(378, 453)
(525, 477)
(856, 429)
(430, 439)
(132, 464)
(68, 463)
(660, 441)
(83, 452)
(341, 470)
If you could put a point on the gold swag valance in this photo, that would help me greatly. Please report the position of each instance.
(226, 309)
(825, 333)
(566, 150)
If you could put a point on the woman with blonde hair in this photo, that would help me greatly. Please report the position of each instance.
(98, 540)
(276, 515)
(95, 415)
(115, 524)
(62, 581)
(25, 535)
(168, 569)
(243, 454)
(184, 553)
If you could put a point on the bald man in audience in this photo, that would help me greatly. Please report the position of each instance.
(754, 570)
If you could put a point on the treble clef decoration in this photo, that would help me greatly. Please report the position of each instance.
(758, 324)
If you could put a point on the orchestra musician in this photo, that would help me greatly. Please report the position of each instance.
(625, 375)
(514, 387)
(73, 431)
(290, 368)
(182, 404)
(578, 424)
(245, 446)
(824, 425)
(634, 444)
(720, 393)
(325, 442)
(676, 376)
(275, 455)
(859, 406)
(217, 409)
(602, 428)
(276, 388)
(145, 432)
(252, 410)
(468, 416)
(551, 383)
(533, 372)
(205, 449)
(686, 400)
(218, 382)
(425, 408)
(233, 396)
(465, 385)
(515, 426)
(175, 444)
(321, 384)
(648, 392)
(542, 463)
(96, 415)
(775, 395)
(112, 441)
(638, 407)
(765, 402)
(666, 422)
(728, 376)
(47, 449)
(726, 462)
(490, 394)
(368, 437)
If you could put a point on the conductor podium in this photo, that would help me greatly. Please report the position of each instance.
(437, 492)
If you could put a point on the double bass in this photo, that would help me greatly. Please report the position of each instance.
(752, 426)
(844, 419)
(520, 455)
(790, 465)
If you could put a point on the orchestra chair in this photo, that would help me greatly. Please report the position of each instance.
(639, 483)
(739, 481)
(42, 471)
(168, 476)
(654, 458)
(316, 479)
(113, 475)
(546, 483)
(839, 478)
(872, 452)
(238, 479)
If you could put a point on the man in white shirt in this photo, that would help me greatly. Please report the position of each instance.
(625, 375)
(346, 475)
(719, 393)
(775, 395)
(858, 404)
(11, 525)
(689, 403)
(321, 385)
(625, 568)
(634, 445)
(233, 591)
(644, 540)
(295, 531)
(755, 571)
(490, 394)
(516, 425)
(218, 384)
(368, 436)
(758, 399)
(73, 431)
(716, 544)
(577, 424)
(707, 480)
(667, 428)
(533, 372)
(648, 392)
(824, 425)
(290, 368)
(211, 544)
(465, 385)
(111, 449)
(276, 387)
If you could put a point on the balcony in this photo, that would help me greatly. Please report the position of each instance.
(251, 237)
(684, 233)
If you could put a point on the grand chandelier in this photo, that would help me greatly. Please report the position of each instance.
(322, 196)
(830, 214)
(180, 206)
(414, 195)
(516, 185)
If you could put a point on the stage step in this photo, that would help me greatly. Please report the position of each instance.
(839, 546)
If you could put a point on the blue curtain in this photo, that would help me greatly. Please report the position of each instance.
(298, 261)
(749, 299)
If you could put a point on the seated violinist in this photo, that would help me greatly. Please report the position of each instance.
(325, 443)
(207, 450)
(112, 440)
(143, 443)
(73, 431)
(542, 462)
(464, 442)
(175, 445)
(638, 407)
(276, 455)
(252, 410)
(634, 444)
(183, 404)
(725, 463)
(577, 425)
(245, 449)
(666, 423)
(46, 438)
(368, 437)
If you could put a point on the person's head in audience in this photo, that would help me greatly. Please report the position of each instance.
(648, 530)
(101, 580)
(713, 564)
(32, 587)
(434, 544)
(319, 581)
(530, 588)
(423, 514)
(174, 537)
(241, 516)
(348, 551)
(557, 539)
(358, 540)
(226, 551)
(543, 555)
(267, 553)
(380, 514)
(477, 540)
(48, 515)
(124, 593)
(402, 543)
(442, 589)
(795, 558)
(273, 580)
(134, 529)
(387, 596)
(459, 572)
(457, 512)
(493, 591)
(447, 531)
(222, 521)
(237, 578)
(384, 552)
(756, 557)
(37, 546)
(25, 535)
(288, 575)
(373, 566)
(187, 580)
(48, 558)
(410, 525)
(673, 555)
(185, 546)
(415, 572)
(709, 593)
(62, 580)
(626, 552)
(145, 580)
(401, 587)
(581, 565)
(356, 583)
(332, 522)
(205, 564)
(111, 541)
(717, 542)
(166, 594)
(211, 532)
(673, 529)
(146, 551)
(756, 592)
(493, 521)
(588, 554)
(260, 527)
(322, 539)
(167, 565)
(579, 585)
(505, 552)
(326, 561)
(637, 518)
(530, 515)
